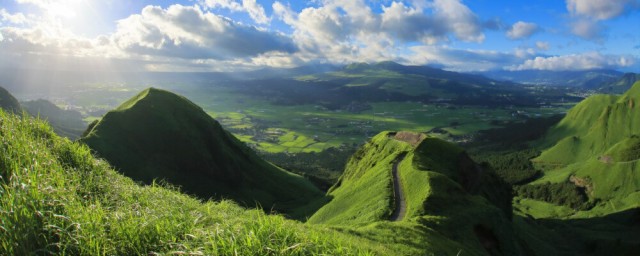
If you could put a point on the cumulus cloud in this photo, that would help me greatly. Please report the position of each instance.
(14, 18)
(188, 32)
(542, 45)
(228, 4)
(412, 24)
(600, 10)
(585, 61)
(522, 30)
(588, 13)
(465, 60)
(344, 31)
(588, 29)
(460, 19)
(255, 10)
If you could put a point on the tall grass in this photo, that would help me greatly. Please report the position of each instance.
(57, 199)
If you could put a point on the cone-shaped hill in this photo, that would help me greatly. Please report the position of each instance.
(423, 184)
(596, 147)
(8, 102)
(160, 135)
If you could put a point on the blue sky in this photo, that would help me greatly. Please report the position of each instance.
(219, 35)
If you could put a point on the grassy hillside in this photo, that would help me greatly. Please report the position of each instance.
(67, 123)
(56, 198)
(158, 135)
(445, 193)
(8, 102)
(597, 151)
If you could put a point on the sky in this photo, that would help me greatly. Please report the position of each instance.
(232, 35)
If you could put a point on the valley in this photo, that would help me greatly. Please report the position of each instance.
(496, 177)
(322, 127)
(277, 116)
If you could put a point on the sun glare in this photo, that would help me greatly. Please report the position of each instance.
(68, 9)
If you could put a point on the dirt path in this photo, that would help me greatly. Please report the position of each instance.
(398, 193)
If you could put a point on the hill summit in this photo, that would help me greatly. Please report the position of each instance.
(160, 135)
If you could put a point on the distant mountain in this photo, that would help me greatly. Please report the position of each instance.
(589, 79)
(67, 123)
(620, 86)
(158, 135)
(422, 184)
(362, 83)
(8, 102)
(596, 147)
(426, 71)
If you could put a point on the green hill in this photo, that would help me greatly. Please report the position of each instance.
(596, 149)
(67, 123)
(8, 102)
(57, 199)
(158, 135)
(448, 199)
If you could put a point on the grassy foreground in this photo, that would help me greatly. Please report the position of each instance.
(56, 198)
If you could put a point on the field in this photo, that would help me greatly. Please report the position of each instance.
(280, 128)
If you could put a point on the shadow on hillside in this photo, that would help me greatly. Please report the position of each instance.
(613, 234)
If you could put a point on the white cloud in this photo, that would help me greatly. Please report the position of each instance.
(465, 60)
(228, 4)
(585, 61)
(588, 29)
(412, 23)
(600, 9)
(522, 30)
(188, 32)
(15, 18)
(588, 13)
(542, 45)
(460, 19)
(156, 38)
(346, 31)
(255, 10)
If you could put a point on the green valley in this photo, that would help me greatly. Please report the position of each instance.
(157, 145)
(322, 127)
(529, 178)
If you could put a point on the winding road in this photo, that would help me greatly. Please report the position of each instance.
(398, 194)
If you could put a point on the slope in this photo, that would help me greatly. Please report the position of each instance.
(8, 102)
(449, 199)
(163, 136)
(596, 149)
(58, 199)
(67, 123)
(621, 85)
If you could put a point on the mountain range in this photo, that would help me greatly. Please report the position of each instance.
(587, 79)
